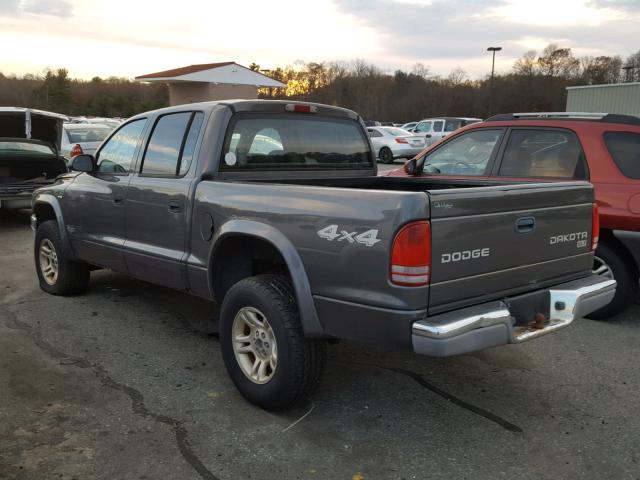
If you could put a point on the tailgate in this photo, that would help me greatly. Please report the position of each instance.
(489, 242)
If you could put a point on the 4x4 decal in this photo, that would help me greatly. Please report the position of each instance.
(333, 232)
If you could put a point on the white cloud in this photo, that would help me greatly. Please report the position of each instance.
(129, 38)
(553, 13)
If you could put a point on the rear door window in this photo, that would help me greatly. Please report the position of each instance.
(543, 153)
(624, 148)
(172, 144)
(438, 125)
(165, 145)
(294, 142)
(466, 154)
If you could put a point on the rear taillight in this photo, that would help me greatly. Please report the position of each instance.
(76, 150)
(411, 255)
(595, 227)
(401, 140)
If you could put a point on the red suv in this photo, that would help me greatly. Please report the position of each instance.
(601, 148)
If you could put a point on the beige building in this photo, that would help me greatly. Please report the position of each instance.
(211, 81)
(621, 98)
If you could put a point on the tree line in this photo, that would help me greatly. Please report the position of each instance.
(56, 92)
(537, 81)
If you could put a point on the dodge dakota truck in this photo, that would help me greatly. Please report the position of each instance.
(274, 210)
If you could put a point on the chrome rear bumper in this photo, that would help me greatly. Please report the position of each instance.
(492, 324)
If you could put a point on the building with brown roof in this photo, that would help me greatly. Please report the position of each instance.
(211, 81)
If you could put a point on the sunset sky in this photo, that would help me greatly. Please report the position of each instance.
(129, 38)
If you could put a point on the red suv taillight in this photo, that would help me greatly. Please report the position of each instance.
(411, 255)
(595, 227)
(76, 150)
(401, 140)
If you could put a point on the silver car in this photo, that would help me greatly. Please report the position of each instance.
(435, 129)
(80, 138)
(390, 143)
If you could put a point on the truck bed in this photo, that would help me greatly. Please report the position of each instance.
(478, 253)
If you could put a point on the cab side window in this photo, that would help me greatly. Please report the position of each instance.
(543, 153)
(117, 154)
(438, 126)
(423, 127)
(466, 154)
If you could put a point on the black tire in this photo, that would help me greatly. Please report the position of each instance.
(300, 360)
(72, 277)
(625, 274)
(386, 155)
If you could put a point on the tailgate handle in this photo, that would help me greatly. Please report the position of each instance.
(525, 224)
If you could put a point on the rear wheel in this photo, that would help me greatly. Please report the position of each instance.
(265, 351)
(386, 155)
(57, 274)
(611, 261)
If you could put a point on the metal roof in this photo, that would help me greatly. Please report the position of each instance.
(604, 85)
(223, 72)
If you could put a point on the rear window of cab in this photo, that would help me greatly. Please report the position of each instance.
(294, 142)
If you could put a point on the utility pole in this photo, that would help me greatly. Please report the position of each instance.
(493, 50)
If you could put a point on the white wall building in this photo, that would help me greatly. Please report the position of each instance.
(211, 81)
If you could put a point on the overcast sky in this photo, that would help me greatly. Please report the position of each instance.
(134, 37)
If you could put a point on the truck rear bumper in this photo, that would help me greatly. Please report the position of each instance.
(496, 323)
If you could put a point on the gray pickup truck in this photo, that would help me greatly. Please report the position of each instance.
(274, 209)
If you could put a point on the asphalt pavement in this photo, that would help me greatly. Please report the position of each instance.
(127, 382)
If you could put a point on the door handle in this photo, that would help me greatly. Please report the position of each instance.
(525, 224)
(175, 206)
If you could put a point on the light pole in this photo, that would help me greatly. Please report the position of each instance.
(493, 50)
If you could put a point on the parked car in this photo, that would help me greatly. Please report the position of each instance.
(409, 126)
(112, 122)
(307, 243)
(532, 147)
(372, 123)
(80, 138)
(387, 124)
(390, 143)
(29, 154)
(435, 129)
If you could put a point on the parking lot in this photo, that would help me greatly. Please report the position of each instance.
(127, 382)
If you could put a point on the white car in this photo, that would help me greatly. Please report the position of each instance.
(435, 129)
(390, 143)
(80, 138)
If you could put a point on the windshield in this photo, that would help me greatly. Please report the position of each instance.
(87, 134)
(18, 146)
(293, 142)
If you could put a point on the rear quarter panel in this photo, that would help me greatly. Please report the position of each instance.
(339, 269)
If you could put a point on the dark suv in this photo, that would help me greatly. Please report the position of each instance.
(601, 148)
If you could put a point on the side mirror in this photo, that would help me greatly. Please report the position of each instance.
(410, 167)
(83, 163)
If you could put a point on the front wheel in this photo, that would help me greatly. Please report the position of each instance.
(611, 262)
(265, 351)
(386, 155)
(57, 274)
